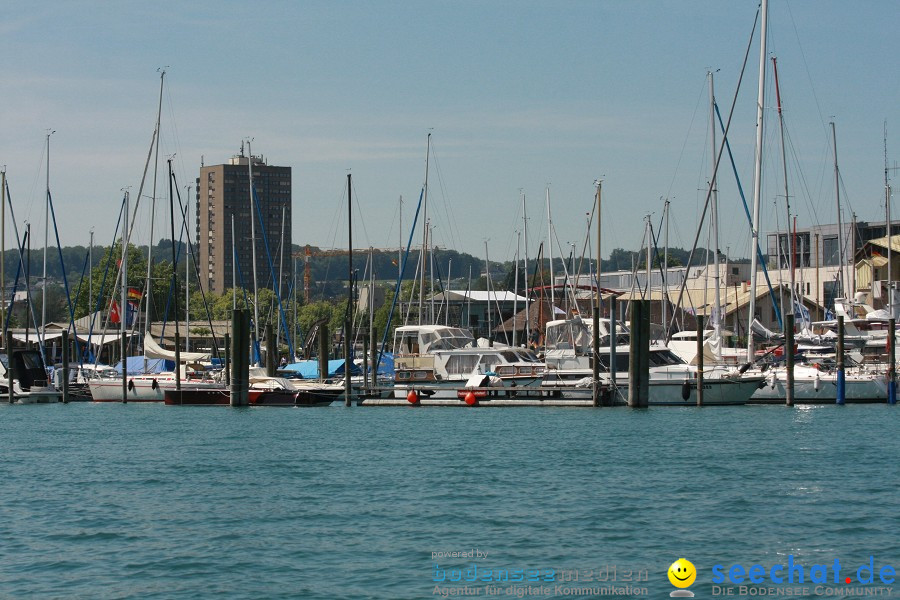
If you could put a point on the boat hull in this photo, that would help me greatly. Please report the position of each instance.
(858, 389)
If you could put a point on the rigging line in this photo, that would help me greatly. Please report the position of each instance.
(363, 221)
(808, 74)
(451, 220)
(183, 208)
(716, 167)
(397, 288)
(25, 269)
(686, 138)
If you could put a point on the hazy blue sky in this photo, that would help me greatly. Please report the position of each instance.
(517, 95)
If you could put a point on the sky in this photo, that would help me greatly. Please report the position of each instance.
(519, 97)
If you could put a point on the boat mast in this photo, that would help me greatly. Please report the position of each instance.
(348, 318)
(887, 213)
(174, 277)
(255, 329)
(757, 175)
(837, 195)
(550, 255)
(424, 230)
(147, 293)
(233, 268)
(46, 241)
(281, 279)
(516, 289)
(714, 214)
(665, 273)
(787, 199)
(525, 241)
(187, 273)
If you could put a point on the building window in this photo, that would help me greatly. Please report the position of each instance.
(830, 251)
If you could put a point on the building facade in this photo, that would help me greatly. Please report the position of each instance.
(223, 205)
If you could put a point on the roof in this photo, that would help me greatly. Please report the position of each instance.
(479, 296)
(882, 242)
(701, 301)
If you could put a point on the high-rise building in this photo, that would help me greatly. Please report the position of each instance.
(223, 204)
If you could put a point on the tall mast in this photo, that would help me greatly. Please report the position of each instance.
(516, 289)
(787, 199)
(550, 255)
(714, 216)
(348, 318)
(887, 213)
(253, 249)
(837, 195)
(46, 241)
(174, 276)
(665, 272)
(525, 241)
(757, 174)
(424, 230)
(187, 272)
(147, 294)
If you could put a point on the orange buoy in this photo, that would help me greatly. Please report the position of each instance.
(471, 400)
(412, 397)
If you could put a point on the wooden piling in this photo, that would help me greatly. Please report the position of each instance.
(348, 331)
(613, 337)
(639, 355)
(789, 358)
(595, 358)
(124, 346)
(240, 341)
(700, 360)
(65, 366)
(228, 359)
(841, 384)
(324, 349)
(892, 361)
(10, 371)
(271, 351)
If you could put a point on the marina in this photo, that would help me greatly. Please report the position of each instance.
(253, 255)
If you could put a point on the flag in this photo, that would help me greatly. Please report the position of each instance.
(130, 312)
(114, 316)
(135, 294)
(803, 313)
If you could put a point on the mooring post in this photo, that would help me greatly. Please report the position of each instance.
(366, 363)
(228, 360)
(595, 355)
(324, 349)
(789, 358)
(240, 374)
(271, 351)
(10, 371)
(348, 331)
(644, 363)
(373, 348)
(841, 391)
(892, 361)
(639, 355)
(65, 366)
(700, 324)
(124, 347)
(613, 337)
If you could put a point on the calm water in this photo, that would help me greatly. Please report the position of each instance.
(149, 501)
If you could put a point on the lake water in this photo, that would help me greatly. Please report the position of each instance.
(150, 501)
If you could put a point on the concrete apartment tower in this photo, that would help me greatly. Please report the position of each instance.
(223, 192)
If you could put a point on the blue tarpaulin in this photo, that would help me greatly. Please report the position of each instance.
(309, 369)
(136, 365)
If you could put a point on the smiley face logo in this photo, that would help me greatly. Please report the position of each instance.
(682, 573)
